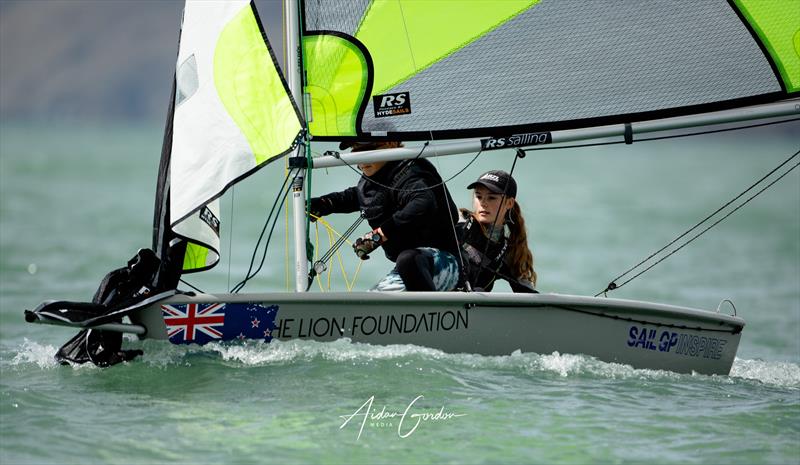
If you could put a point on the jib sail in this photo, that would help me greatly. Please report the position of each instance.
(231, 115)
(444, 69)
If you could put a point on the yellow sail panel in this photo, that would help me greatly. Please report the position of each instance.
(251, 89)
(407, 36)
(339, 73)
(195, 258)
(777, 23)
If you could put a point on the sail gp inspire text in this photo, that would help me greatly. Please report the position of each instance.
(371, 325)
(384, 417)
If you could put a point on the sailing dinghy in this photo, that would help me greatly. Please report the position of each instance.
(482, 75)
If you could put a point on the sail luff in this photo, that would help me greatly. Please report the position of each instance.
(161, 207)
(171, 254)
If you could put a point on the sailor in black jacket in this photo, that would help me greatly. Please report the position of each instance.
(413, 219)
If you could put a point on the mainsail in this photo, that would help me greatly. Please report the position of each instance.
(231, 115)
(413, 70)
(442, 69)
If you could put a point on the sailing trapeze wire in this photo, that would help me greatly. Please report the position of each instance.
(613, 284)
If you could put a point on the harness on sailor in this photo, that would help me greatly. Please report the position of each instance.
(473, 244)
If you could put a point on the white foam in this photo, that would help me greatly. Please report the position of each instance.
(255, 353)
(784, 374)
(342, 350)
(35, 353)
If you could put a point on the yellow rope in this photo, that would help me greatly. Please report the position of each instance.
(333, 236)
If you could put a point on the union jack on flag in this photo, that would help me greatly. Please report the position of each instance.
(204, 323)
(199, 323)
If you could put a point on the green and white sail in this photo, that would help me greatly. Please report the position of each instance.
(446, 69)
(232, 115)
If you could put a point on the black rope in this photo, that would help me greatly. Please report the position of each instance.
(454, 218)
(190, 285)
(519, 154)
(444, 182)
(279, 200)
(613, 285)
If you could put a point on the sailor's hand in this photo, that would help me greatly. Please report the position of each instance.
(319, 207)
(363, 246)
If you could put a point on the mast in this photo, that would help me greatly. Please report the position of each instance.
(294, 77)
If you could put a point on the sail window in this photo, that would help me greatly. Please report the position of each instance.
(187, 80)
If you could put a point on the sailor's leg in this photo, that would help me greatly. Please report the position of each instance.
(428, 269)
(390, 283)
(416, 270)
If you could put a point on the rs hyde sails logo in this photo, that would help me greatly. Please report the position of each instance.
(392, 104)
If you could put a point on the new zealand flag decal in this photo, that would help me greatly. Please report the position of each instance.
(203, 323)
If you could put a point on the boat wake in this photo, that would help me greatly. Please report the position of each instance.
(783, 374)
(278, 353)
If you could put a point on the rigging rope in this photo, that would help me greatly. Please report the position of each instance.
(320, 266)
(335, 245)
(613, 285)
(415, 158)
(285, 188)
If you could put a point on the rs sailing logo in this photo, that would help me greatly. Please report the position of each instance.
(210, 219)
(392, 104)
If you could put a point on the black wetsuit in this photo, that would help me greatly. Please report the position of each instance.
(485, 260)
(410, 212)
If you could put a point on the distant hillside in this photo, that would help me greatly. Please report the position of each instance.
(93, 60)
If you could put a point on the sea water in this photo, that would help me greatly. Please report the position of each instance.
(76, 202)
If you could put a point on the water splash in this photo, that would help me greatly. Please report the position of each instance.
(783, 374)
(30, 352)
(253, 354)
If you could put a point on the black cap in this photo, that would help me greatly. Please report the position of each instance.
(498, 182)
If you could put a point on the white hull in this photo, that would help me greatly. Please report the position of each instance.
(640, 334)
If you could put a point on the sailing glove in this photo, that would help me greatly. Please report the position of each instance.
(318, 207)
(363, 246)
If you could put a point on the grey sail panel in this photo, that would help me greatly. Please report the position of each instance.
(609, 70)
(327, 15)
